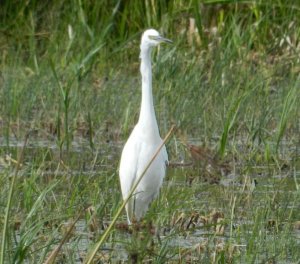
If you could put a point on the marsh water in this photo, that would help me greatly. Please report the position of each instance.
(202, 217)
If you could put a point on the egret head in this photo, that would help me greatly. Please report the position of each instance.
(152, 38)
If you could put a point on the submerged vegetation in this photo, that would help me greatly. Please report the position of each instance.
(70, 89)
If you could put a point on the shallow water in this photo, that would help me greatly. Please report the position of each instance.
(205, 195)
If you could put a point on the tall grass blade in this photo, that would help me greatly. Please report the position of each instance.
(230, 120)
(52, 66)
(65, 92)
(38, 202)
(53, 255)
(198, 19)
(9, 200)
(89, 56)
(288, 106)
(90, 131)
(108, 230)
(29, 231)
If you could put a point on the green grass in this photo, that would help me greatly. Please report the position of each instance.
(69, 74)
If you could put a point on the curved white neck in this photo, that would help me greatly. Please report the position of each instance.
(147, 117)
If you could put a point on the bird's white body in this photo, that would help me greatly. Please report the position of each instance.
(143, 143)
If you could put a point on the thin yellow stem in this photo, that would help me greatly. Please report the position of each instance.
(106, 233)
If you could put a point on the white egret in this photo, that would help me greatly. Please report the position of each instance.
(143, 142)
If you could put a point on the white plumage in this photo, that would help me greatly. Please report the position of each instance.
(143, 142)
